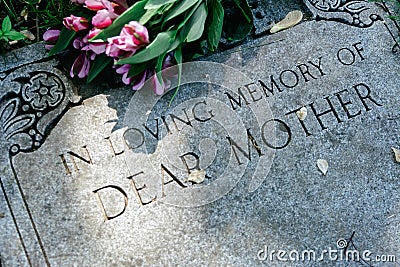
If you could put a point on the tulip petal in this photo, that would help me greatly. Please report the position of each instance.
(81, 66)
(51, 35)
(140, 81)
(94, 5)
(157, 86)
(102, 19)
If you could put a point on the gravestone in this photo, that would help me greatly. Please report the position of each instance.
(274, 153)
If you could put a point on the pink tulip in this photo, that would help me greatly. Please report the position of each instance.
(94, 5)
(116, 6)
(76, 23)
(103, 18)
(116, 47)
(81, 66)
(105, 12)
(51, 36)
(93, 32)
(137, 33)
(133, 36)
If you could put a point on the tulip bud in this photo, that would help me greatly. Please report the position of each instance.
(76, 23)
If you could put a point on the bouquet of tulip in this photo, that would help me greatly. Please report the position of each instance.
(143, 39)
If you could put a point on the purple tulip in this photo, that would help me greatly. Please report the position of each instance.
(167, 73)
(81, 66)
(137, 81)
(97, 46)
(51, 36)
(106, 12)
(76, 23)
(124, 69)
(80, 43)
(121, 6)
(158, 87)
(132, 37)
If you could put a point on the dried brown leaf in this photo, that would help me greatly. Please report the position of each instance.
(291, 19)
(28, 34)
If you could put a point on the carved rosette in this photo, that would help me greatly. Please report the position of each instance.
(33, 99)
(358, 13)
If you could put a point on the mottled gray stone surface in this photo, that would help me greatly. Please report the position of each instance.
(69, 166)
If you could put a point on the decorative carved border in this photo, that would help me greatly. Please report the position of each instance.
(34, 98)
(357, 13)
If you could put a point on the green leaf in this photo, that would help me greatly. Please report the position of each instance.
(160, 45)
(216, 23)
(138, 68)
(196, 24)
(99, 64)
(237, 27)
(14, 35)
(159, 64)
(6, 25)
(151, 4)
(187, 17)
(174, 45)
(180, 8)
(185, 20)
(178, 58)
(197, 55)
(246, 10)
(148, 15)
(63, 41)
(135, 12)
